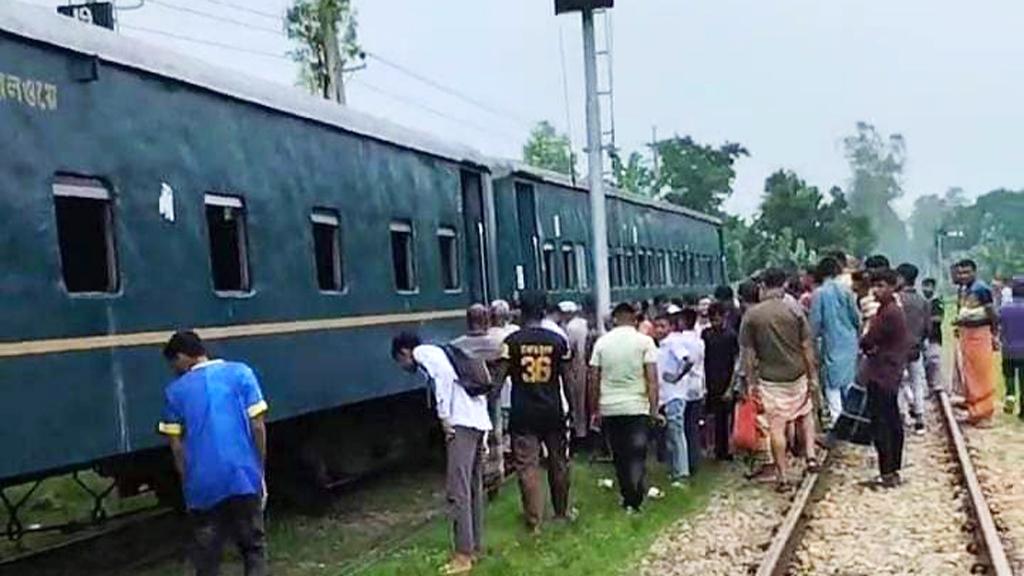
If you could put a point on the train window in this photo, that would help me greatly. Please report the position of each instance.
(615, 268)
(581, 266)
(330, 275)
(447, 240)
(711, 269)
(85, 235)
(229, 259)
(691, 268)
(568, 266)
(403, 258)
(630, 269)
(643, 279)
(550, 276)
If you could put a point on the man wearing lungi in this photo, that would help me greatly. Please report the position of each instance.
(780, 369)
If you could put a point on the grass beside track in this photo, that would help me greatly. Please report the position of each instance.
(382, 531)
(604, 540)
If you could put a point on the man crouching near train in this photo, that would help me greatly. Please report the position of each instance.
(465, 422)
(214, 418)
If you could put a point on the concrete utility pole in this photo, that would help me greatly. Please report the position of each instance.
(335, 81)
(595, 163)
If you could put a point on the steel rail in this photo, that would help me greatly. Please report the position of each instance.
(994, 548)
(774, 562)
(117, 525)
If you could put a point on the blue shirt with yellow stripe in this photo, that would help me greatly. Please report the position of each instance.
(210, 407)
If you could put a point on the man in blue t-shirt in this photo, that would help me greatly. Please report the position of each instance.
(214, 419)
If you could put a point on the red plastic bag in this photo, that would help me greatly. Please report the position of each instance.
(745, 435)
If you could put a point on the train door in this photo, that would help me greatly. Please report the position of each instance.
(475, 223)
(529, 274)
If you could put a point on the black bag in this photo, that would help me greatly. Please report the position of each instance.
(474, 376)
(854, 424)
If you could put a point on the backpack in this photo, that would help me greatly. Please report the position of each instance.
(473, 375)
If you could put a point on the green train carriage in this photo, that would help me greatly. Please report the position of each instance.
(142, 191)
(545, 240)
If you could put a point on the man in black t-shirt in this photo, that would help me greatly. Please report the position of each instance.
(537, 361)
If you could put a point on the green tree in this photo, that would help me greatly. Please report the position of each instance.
(788, 202)
(549, 150)
(843, 229)
(876, 166)
(325, 31)
(696, 176)
(740, 259)
(796, 223)
(990, 232)
(633, 175)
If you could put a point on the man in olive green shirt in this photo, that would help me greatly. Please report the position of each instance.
(625, 397)
(780, 368)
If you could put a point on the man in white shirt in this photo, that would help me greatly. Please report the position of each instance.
(501, 328)
(577, 330)
(551, 322)
(673, 366)
(703, 305)
(694, 389)
(465, 422)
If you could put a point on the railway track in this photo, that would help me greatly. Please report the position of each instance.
(937, 523)
(121, 547)
(133, 545)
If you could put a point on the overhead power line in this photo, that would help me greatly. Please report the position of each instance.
(276, 16)
(506, 114)
(480, 128)
(218, 17)
(205, 42)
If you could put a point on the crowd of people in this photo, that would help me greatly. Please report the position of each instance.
(844, 351)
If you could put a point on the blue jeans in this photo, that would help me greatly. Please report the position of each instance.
(675, 439)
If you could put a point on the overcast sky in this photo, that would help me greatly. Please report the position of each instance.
(786, 78)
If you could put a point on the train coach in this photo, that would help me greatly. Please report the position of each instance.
(142, 191)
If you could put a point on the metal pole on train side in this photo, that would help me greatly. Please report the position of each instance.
(598, 215)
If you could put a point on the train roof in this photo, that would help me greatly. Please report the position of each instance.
(42, 25)
(516, 168)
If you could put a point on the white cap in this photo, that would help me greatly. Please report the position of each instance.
(567, 307)
(672, 309)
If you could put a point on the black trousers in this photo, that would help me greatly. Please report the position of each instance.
(887, 426)
(628, 436)
(691, 422)
(721, 411)
(1013, 371)
(239, 519)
